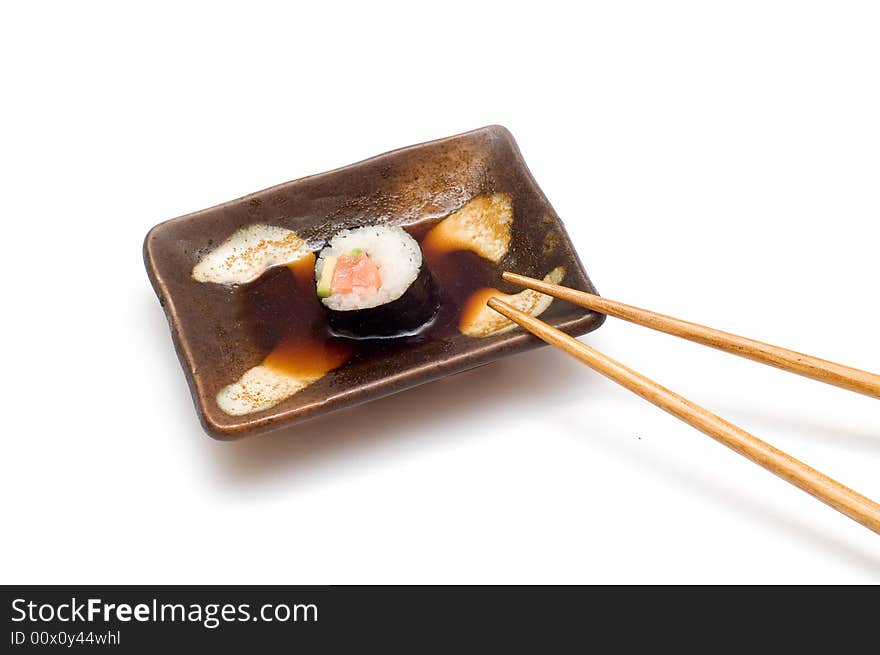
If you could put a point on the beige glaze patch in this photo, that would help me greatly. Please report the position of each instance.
(258, 389)
(479, 320)
(248, 253)
(482, 225)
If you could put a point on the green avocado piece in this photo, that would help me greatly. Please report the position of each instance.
(323, 287)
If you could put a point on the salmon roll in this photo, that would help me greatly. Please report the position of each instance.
(374, 284)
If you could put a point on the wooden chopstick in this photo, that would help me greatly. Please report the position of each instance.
(788, 360)
(829, 491)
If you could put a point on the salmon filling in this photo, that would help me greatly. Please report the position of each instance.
(356, 274)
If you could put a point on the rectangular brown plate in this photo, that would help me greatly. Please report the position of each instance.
(211, 331)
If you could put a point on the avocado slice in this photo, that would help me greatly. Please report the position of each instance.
(326, 277)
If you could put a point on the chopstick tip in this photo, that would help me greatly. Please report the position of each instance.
(499, 306)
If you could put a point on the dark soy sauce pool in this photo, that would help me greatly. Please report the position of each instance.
(288, 320)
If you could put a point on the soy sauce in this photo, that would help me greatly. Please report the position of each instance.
(288, 321)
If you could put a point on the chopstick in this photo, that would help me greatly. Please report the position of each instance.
(822, 370)
(829, 491)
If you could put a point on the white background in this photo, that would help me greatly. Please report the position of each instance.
(715, 161)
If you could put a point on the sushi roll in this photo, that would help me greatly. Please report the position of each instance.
(374, 284)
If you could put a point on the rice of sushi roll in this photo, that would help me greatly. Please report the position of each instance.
(374, 284)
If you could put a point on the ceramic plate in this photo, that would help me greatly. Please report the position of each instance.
(222, 331)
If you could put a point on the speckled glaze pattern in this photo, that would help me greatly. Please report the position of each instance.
(426, 180)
